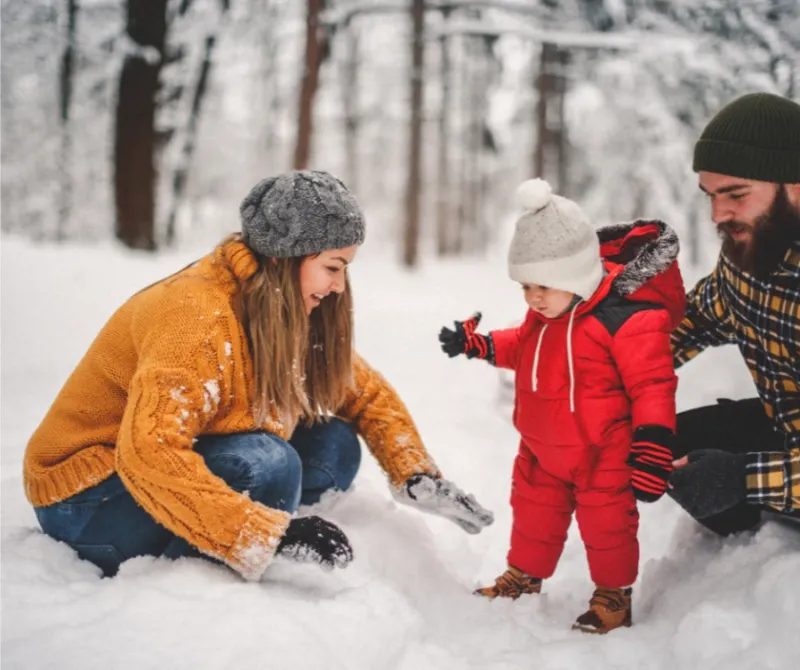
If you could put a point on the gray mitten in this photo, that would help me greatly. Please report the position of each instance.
(711, 482)
(442, 497)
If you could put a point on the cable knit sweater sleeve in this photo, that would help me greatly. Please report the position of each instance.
(382, 419)
(179, 385)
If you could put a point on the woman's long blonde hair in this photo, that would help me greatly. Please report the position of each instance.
(302, 365)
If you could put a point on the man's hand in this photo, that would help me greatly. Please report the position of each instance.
(708, 481)
(439, 496)
(312, 539)
(464, 340)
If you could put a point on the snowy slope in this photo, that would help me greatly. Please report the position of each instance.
(405, 602)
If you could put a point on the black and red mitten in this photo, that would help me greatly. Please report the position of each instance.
(464, 340)
(651, 460)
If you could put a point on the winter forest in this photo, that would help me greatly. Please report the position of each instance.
(148, 120)
(131, 131)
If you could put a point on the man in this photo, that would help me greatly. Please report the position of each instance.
(737, 459)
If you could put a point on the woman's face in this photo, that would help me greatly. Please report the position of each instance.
(324, 274)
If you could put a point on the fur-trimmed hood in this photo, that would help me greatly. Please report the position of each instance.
(642, 263)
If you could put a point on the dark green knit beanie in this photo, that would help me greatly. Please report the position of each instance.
(756, 137)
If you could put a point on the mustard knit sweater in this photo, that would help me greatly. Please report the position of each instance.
(171, 364)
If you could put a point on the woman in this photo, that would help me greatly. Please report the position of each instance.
(215, 401)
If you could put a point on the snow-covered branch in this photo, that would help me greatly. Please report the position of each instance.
(569, 39)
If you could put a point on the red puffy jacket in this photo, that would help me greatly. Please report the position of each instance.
(584, 382)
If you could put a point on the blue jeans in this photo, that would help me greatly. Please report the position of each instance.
(106, 526)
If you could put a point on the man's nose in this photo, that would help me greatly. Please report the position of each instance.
(721, 212)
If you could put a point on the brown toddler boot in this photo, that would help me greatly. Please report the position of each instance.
(608, 609)
(513, 583)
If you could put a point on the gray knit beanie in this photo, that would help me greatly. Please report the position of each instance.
(554, 245)
(299, 214)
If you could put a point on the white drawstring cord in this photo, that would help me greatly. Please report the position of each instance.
(569, 360)
(536, 356)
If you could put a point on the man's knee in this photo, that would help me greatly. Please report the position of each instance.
(729, 425)
(738, 519)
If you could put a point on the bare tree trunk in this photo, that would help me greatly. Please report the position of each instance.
(550, 160)
(411, 241)
(486, 145)
(350, 104)
(465, 213)
(478, 140)
(308, 90)
(472, 97)
(68, 60)
(66, 76)
(694, 234)
(271, 98)
(180, 177)
(562, 138)
(444, 214)
(135, 142)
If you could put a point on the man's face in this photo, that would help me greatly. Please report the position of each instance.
(756, 220)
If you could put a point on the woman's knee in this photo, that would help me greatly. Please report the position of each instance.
(338, 455)
(344, 444)
(331, 456)
(264, 466)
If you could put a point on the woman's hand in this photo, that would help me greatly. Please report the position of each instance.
(311, 539)
(442, 497)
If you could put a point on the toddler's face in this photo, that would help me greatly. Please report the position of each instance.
(549, 302)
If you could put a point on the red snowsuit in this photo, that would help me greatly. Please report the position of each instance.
(584, 382)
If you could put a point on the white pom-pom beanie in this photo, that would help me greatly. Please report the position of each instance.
(554, 244)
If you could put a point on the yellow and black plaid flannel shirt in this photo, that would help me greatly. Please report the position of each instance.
(763, 319)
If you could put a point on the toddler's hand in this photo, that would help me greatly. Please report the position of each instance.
(464, 340)
(651, 460)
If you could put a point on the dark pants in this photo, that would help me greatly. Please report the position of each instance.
(736, 426)
(106, 526)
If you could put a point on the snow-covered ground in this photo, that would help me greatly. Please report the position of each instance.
(406, 601)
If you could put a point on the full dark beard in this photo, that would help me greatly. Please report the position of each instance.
(773, 234)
